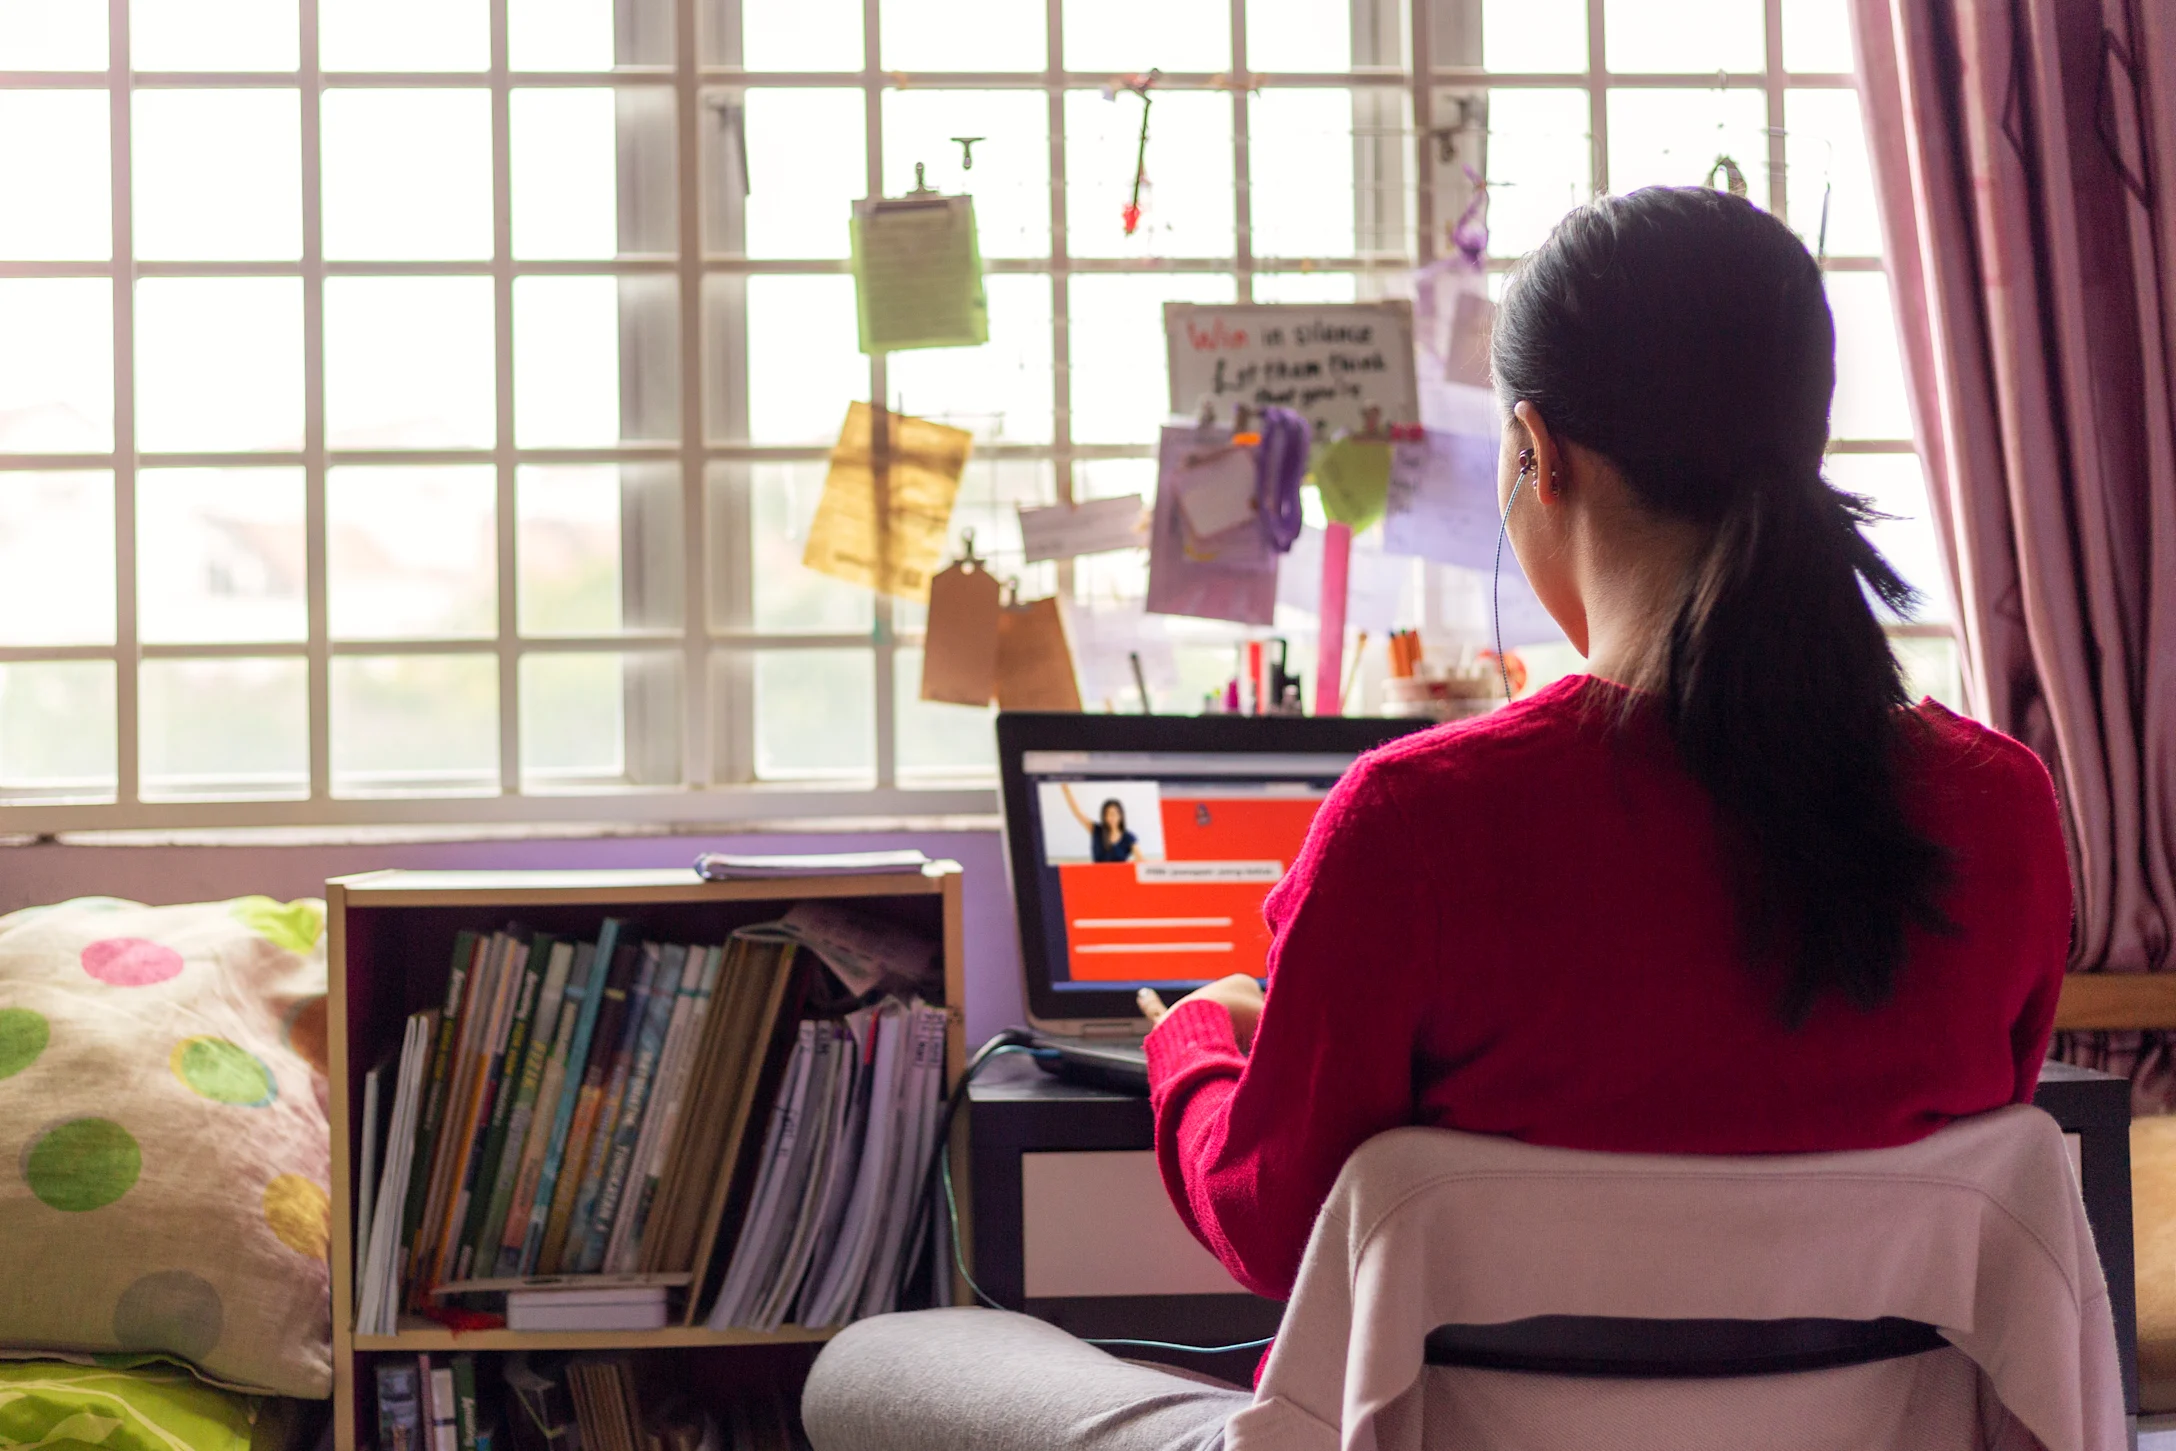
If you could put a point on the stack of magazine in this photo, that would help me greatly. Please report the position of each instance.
(573, 1108)
(831, 1230)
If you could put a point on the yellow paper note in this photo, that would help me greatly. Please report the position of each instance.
(887, 503)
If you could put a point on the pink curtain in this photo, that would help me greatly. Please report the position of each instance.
(2025, 155)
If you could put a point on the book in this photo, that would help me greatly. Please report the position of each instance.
(663, 1118)
(704, 1180)
(438, 1404)
(514, 1236)
(433, 1106)
(464, 1401)
(490, 1236)
(608, 1309)
(665, 1000)
(563, 1112)
(809, 1187)
(846, 1163)
(840, 1288)
(367, 1167)
(755, 1251)
(540, 1408)
(504, 986)
(588, 1098)
(612, 1104)
(400, 1410)
(507, 1072)
(456, 1124)
(377, 1291)
(514, 999)
(606, 1401)
(922, 1074)
(666, 1240)
(718, 866)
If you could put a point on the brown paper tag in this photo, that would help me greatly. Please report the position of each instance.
(959, 652)
(1034, 666)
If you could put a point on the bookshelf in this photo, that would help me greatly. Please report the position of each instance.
(387, 938)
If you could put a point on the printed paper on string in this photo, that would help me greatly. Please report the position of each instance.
(918, 274)
(887, 502)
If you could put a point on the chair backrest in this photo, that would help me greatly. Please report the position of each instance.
(1621, 1347)
(1977, 1232)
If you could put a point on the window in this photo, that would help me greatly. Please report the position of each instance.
(412, 409)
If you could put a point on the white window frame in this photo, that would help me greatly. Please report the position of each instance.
(717, 708)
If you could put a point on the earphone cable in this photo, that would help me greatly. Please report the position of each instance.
(1495, 582)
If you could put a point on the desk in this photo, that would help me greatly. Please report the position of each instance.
(1022, 1121)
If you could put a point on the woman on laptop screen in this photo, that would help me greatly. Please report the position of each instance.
(1731, 892)
(1108, 839)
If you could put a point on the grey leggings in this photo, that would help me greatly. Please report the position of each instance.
(990, 1380)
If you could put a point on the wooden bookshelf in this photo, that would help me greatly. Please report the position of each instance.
(388, 935)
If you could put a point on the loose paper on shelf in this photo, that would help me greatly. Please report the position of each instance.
(918, 274)
(913, 466)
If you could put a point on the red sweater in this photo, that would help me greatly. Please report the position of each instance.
(1522, 925)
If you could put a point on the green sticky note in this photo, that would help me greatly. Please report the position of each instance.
(1354, 477)
(918, 274)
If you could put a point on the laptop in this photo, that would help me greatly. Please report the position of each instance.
(1141, 848)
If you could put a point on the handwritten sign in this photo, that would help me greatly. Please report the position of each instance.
(1328, 362)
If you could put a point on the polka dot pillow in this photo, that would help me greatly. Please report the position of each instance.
(164, 1150)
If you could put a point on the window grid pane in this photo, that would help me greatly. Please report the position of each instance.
(523, 346)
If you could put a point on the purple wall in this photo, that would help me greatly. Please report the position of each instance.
(38, 873)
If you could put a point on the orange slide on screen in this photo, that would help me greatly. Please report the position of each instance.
(1198, 912)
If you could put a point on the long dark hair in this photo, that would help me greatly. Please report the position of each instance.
(1684, 335)
(1103, 826)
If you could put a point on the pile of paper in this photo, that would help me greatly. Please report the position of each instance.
(831, 1231)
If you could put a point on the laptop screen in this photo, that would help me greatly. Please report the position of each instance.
(1137, 866)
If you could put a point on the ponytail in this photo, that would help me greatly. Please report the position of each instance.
(1684, 335)
(1783, 700)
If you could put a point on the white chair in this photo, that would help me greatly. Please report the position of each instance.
(1941, 1295)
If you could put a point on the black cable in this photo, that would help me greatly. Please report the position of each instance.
(1013, 1040)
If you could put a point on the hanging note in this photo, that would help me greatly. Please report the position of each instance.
(1465, 351)
(1066, 531)
(1227, 576)
(1328, 362)
(913, 466)
(1216, 491)
(1034, 666)
(959, 649)
(918, 274)
(1107, 638)
(1354, 477)
(1376, 583)
(1441, 503)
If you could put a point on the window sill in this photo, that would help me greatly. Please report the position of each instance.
(730, 811)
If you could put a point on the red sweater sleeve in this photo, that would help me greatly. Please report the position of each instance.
(2046, 875)
(1249, 1146)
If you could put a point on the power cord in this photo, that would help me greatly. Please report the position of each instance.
(1005, 1044)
